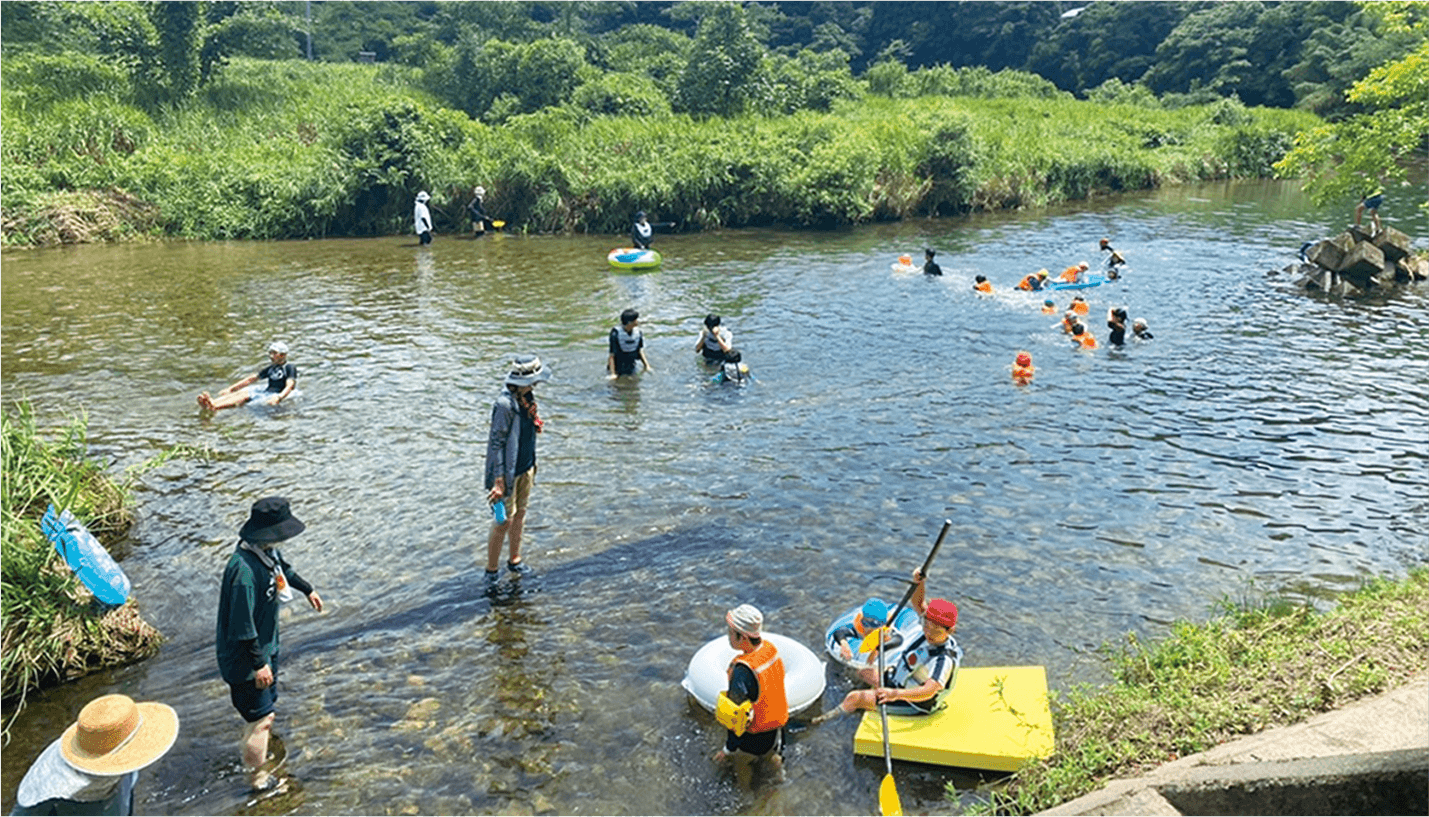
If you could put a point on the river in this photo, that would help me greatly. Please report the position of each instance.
(1267, 442)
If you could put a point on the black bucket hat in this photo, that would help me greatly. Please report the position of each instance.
(270, 521)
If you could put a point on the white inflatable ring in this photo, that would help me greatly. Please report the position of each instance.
(705, 678)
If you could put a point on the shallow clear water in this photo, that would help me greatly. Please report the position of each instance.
(1267, 441)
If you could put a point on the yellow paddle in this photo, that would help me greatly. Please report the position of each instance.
(888, 802)
(498, 224)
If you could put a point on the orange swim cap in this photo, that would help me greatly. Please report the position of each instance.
(905, 260)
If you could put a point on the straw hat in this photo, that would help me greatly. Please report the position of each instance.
(115, 736)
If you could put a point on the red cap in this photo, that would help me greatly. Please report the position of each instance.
(942, 611)
(1024, 359)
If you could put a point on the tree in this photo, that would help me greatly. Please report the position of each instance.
(1209, 50)
(177, 25)
(1106, 41)
(1348, 159)
(723, 61)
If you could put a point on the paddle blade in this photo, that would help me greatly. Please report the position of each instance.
(870, 641)
(498, 224)
(888, 802)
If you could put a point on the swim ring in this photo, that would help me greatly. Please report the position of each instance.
(905, 265)
(706, 676)
(908, 626)
(632, 258)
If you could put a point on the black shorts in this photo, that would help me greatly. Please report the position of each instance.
(252, 703)
(755, 743)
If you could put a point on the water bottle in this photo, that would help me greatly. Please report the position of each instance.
(498, 511)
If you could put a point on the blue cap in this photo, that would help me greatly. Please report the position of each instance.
(874, 610)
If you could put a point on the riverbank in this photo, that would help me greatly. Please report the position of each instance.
(53, 631)
(1238, 674)
(275, 150)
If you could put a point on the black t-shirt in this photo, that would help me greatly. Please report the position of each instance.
(278, 375)
(932, 268)
(1118, 333)
(526, 445)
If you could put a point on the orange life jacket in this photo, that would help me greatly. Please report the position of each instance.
(983, 287)
(1022, 372)
(1086, 339)
(1026, 283)
(1080, 307)
(1049, 310)
(1070, 273)
(771, 708)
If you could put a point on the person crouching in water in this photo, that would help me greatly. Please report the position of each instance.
(734, 369)
(981, 284)
(755, 707)
(1141, 330)
(919, 677)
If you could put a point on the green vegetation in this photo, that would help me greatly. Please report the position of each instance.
(199, 120)
(1237, 674)
(52, 629)
(1356, 156)
(290, 149)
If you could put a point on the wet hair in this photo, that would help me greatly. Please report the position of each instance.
(1078, 328)
(711, 321)
(981, 278)
(929, 253)
(1119, 312)
(732, 356)
(628, 316)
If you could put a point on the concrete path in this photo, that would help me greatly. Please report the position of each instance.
(1344, 741)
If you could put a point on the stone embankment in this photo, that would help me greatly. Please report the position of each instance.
(1369, 757)
(1357, 260)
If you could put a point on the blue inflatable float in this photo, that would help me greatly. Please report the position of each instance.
(632, 258)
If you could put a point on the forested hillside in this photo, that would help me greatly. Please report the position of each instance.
(253, 120)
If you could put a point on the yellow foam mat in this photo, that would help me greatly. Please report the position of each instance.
(995, 718)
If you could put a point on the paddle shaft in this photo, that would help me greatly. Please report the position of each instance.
(927, 563)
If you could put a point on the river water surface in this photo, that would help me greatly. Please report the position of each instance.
(1266, 442)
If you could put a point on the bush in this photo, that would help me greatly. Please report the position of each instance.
(621, 94)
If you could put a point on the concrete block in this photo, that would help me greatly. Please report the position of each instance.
(1393, 243)
(1331, 251)
(1362, 262)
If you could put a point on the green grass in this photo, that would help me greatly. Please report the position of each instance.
(292, 149)
(52, 630)
(1241, 672)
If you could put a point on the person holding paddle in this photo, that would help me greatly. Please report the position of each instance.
(921, 674)
(755, 708)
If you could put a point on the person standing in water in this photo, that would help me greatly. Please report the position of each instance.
(281, 377)
(477, 211)
(627, 346)
(1116, 322)
(511, 462)
(755, 707)
(254, 585)
(930, 267)
(422, 219)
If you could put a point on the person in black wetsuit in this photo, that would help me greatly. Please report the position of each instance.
(930, 267)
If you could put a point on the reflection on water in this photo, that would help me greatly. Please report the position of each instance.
(1265, 437)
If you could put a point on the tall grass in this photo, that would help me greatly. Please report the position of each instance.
(291, 149)
(51, 629)
(1248, 669)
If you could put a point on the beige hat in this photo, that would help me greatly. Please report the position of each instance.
(746, 619)
(115, 736)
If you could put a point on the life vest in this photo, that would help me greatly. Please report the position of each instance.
(771, 708)
(1049, 310)
(629, 342)
(712, 338)
(1022, 372)
(1080, 307)
(1071, 274)
(644, 230)
(1067, 325)
(1086, 339)
(917, 663)
(1029, 284)
(983, 287)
